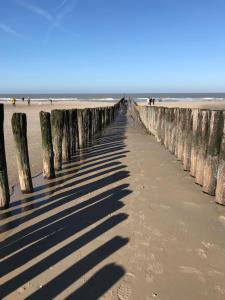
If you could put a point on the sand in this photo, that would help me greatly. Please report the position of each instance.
(121, 222)
(33, 131)
(190, 104)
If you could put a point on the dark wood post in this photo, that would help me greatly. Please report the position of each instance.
(19, 128)
(73, 131)
(86, 124)
(47, 147)
(4, 184)
(66, 156)
(57, 122)
(90, 123)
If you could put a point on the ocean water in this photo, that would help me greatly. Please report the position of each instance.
(139, 97)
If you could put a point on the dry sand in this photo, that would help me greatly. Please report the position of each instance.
(190, 104)
(124, 222)
(33, 131)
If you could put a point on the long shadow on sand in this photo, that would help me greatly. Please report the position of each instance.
(97, 167)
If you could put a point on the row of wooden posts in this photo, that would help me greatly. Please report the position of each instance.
(63, 133)
(196, 137)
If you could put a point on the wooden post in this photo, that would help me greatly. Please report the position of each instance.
(47, 147)
(4, 184)
(19, 128)
(203, 145)
(212, 160)
(86, 124)
(73, 131)
(195, 140)
(57, 122)
(81, 129)
(220, 187)
(90, 123)
(66, 137)
(187, 140)
(100, 119)
(93, 121)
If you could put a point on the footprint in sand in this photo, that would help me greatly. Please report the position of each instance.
(191, 204)
(220, 290)
(124, 291)
(192, 271)
(201, 253)
(154, 268)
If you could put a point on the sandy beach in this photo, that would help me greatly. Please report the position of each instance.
(33, 131)
(122, 222)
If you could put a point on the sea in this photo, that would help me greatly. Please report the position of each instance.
(111, 97)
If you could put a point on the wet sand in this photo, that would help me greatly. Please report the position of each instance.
(189, 104)
(121, 221)
(33, 131)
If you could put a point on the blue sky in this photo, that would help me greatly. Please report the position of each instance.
(112, 46)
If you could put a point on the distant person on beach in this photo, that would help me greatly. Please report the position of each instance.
(13, 101)
(28, 100)
(153, 101)
(22, 99)
(149, 101)
(50, 101)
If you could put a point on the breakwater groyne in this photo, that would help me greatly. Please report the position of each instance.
(195, 136)
(64, 133)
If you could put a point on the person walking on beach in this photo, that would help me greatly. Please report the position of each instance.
(153, 101)
(28, 100)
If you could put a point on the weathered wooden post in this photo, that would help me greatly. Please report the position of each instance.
(81, 130)
(173, 131)
(90, 123)
(220, 187)
(93, 121)
(187, 140)
(66, 156)
(86, 124)
(57, 123)
(211, 164)
(73, 130)
(195, 140)
(47, 147)
(181, 138)
(19, 129)
(203, 145)
(4, 184)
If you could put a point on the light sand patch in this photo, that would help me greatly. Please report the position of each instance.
(222, 220)
(191, 204)
(192, 271)
(201, 253)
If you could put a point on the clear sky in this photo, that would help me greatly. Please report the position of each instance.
(112, 46)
